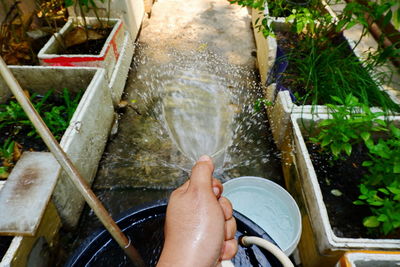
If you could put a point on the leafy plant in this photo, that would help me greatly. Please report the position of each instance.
(385, 206)
(56, 116)
(384, 165)
(6, 157)
(260, 102)
(351, 122)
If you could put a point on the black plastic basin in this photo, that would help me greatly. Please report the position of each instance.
(144, 226)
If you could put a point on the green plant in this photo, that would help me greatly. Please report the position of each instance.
(350, 123)
(6, 157)
(260, 102)
(385, 206)
(322, 73)
(384, 163)
(380, 189)
(56, 116)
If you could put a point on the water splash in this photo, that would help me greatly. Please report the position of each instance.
(184, 103)
(197, 115)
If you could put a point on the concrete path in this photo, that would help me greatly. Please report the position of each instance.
(224, 28)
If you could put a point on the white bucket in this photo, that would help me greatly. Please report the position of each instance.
(268, 205)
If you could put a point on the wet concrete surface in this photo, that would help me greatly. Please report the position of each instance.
(141, 163)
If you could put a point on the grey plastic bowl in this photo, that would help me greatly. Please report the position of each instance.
(268, 205)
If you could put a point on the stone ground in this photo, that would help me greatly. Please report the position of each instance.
(141, 163)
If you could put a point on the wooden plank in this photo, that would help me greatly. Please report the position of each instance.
(25, 195)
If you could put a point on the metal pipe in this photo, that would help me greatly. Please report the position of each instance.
(69, 167)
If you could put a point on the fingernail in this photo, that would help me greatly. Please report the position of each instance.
(204, 158)
(216, 191)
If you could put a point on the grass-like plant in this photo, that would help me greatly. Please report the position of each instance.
(320, 74)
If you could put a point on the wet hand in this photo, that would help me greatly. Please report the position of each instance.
(199, 228)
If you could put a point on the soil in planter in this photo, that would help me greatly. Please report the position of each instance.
(343, 176)
(21, 131)
(325, 81)
(92, 47)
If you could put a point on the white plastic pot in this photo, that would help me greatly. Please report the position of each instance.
(370, 259)
(326, 241)
(115, 56)
(85, 138)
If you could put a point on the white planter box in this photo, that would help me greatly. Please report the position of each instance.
(115, 56)
(370, 259)
(85, 138)
(325, 239)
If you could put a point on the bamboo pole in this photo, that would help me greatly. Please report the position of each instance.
(68, 166)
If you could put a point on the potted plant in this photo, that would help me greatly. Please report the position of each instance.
(301, 78)
(92, 42)
(344, 161)
(86, 134)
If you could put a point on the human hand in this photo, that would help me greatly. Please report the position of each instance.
(199, 227)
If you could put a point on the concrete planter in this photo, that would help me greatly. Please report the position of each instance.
(115, 56)
(85, 138)
(319, 245)
(369, 259)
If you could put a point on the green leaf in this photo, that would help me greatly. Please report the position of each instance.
(337, 99)
(365, 135)
(371, 222)
(396, 167)
(380, 122)
(363, 189)
(326, 141)
(358, 202)
(383, 190)
(383, 218)
(395, 131)
(347, 148)
(387, 18)
(367, 163)
(69, 3)
(335, 149)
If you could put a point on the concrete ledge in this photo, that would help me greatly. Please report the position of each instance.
(121, 70)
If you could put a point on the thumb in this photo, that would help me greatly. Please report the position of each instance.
(201, 177)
